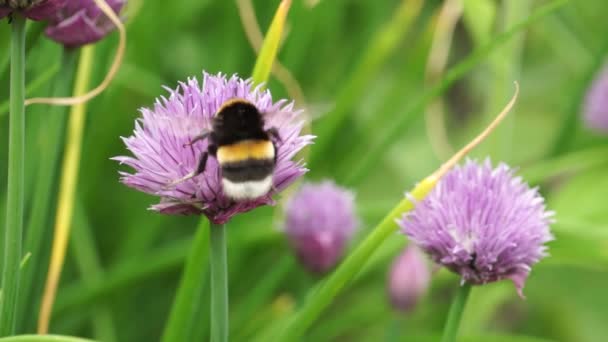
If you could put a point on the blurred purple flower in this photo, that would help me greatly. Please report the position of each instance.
(81, 22)
(320, 220)
(32, 9)
(482, 223)
(409, 279)
(595, 112)
(161, 158)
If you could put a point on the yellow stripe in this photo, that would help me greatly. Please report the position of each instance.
(243, 150)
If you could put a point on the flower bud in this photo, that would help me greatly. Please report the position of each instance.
(81, 22)
(31, 9)
(595, 112)
(320, 220)
(409, 279)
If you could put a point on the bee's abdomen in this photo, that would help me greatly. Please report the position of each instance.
(247, 160)
(247, 170)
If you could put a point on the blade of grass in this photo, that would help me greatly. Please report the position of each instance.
(67, 190)
(129, 272)
(370, 158)
(565, 164)
(87, 260)
(53, 122)
(33, 86)
(381, 47)
(270, 46)
(33, 32)
(505, 66)
(182, 318)
(261, 294)
(13, 231)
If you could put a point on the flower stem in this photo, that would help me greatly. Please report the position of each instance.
(13, 232)
(185, 305)
(67, 189)
(219, 284)
(451, 326)
(36, 228)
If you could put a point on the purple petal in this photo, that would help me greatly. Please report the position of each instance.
(45, 10)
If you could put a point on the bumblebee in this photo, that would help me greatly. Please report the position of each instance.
(244, 150)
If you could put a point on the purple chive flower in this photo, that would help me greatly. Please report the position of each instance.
(409, 279)
(595, 112)
(485, 224)
(81, 22)
(161, 155)
(32, 9)
(320, 220)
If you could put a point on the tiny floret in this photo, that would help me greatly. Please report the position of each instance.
(483, 223)
(183, 153)
(320, 221)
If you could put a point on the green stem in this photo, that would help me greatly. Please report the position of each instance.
(451, 326)
(13, 232)
(219, 284)
(181, 320)
(54, 124)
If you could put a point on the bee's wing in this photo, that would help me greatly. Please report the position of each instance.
(186, 127)
(316, 110)
(308, 114)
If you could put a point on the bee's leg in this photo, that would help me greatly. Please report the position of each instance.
(274, 133)
(202, 163)
(202, 136)
(212, 149)
(200, 168)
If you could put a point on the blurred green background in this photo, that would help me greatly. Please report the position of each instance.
(355, 62)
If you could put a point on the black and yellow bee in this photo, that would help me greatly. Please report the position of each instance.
(244, 150)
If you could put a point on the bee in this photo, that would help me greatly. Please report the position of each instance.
(244, 150)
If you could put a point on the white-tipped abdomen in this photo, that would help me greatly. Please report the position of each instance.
(247, 190)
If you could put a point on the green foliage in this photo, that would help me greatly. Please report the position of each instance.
(366, 61)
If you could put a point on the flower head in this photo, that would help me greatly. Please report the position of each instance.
(320, 220)
(409, 279)
(162, 154)
(595, 112)
(482, 223)
(81, 22)
(32, 9)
